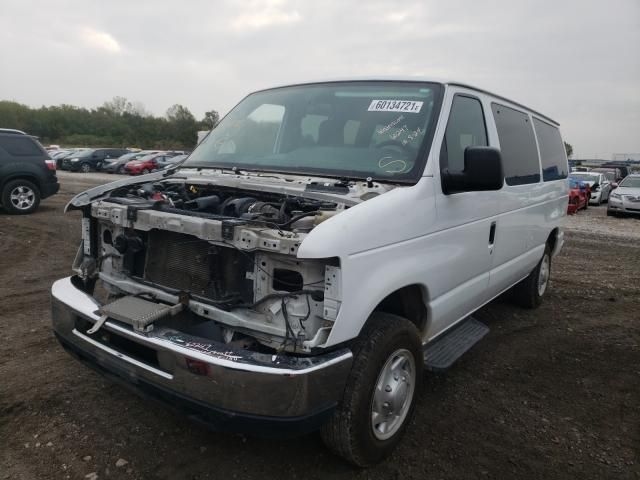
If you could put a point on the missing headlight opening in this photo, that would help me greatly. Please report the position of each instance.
(229, 256)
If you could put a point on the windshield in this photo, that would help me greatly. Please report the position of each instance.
(145, 158)
(586, 177)
(351, 129)
(128, 156)
(631, 182)
(84, 153)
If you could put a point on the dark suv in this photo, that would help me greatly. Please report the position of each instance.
(27, 173)
(91, 159)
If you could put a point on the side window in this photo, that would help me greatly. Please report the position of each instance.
(465, 128)
(19, 145)
(552, 153)
(517, 144)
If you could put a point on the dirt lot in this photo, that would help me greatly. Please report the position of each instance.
(551, 393)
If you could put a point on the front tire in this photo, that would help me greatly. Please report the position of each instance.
(85, 168)
(380, 393)
(529, 292)
(20, 197)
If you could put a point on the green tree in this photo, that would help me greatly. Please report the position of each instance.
(569, 149)
(210, 120)
(116, 123)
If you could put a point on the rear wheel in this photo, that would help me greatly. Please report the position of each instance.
(120, 170)
(145, 171)
(529, 292)
(380, 393)
(20, 197)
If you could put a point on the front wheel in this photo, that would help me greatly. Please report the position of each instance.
(380, 393)
(145, 171)
(85, 168)
(529, 292)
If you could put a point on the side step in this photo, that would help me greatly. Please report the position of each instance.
(446, 349)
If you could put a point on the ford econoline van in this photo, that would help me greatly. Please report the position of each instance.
(321, 247)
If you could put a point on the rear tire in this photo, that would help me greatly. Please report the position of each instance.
(120, 170)
(530, 291)
(145, 171)
(379, 397)
(20, 197)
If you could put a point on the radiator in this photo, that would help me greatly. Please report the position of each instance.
(184, 262)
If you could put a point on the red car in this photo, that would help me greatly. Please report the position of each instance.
(578, 196)
(146, 164)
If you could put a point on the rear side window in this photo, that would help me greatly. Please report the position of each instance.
(552, 154)
(517, 144)
(20, 146)
(465, 128)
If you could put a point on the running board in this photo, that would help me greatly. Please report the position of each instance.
(440, 354)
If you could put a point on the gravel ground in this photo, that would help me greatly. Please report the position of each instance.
(550, 393)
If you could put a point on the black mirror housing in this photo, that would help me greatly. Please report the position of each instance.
(482, 172)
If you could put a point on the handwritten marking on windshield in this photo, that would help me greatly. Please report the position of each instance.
(389, 165)
(386, 128)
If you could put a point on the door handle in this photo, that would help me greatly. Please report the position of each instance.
(492, 234)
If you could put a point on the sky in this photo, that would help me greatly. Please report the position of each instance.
(575, 61)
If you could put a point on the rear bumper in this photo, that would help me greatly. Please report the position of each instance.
(50, 188)
(110, 167)
(70, 166)
(229, 389)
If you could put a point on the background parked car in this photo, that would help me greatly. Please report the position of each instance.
(116, 165)
(67, 154)
(148, 163)
(91, 159)
(615, 171)
(599, 184)
(625, 199)
(27, 172)
(168, 161)
(578, 196)
(621, 166)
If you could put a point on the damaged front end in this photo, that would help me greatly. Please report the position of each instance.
(217, 259)
(191, 289)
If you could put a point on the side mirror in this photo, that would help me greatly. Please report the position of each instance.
(482, 172)
(614, 185)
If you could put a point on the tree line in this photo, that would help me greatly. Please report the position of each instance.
(117, 123)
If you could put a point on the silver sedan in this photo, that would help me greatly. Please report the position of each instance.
(626, 198)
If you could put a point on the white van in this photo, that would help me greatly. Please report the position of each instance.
(324, 244)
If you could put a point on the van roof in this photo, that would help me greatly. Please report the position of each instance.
(383, 78)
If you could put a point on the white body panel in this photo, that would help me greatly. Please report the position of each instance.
(417, 235)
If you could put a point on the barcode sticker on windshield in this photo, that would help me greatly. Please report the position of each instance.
(404, 106)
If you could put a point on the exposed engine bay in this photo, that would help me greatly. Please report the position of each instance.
(218, 262)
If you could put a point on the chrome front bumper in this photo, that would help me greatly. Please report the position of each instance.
(228, 383)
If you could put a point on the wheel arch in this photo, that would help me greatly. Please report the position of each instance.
(21, 176)
(410, 302)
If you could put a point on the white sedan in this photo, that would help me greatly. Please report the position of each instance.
(598, 182)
